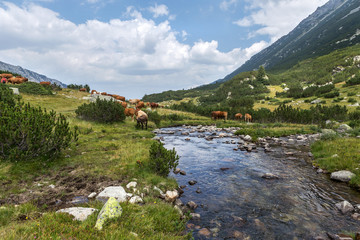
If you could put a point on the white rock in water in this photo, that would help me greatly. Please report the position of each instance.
(117, 192)
(79, 213)
(247, 138)
(344, 207)
(343, 176)
(92, 195)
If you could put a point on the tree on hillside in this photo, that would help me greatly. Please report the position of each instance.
(261, 76)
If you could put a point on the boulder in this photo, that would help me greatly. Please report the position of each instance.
(343, 128)
(111, 209)
(79, 213)
(171, 196)
(247, 138)
(195, 216)
(15, 90)
(269, 176)
(192, 205)
(117, 192)
(342, 176)
(344, 207)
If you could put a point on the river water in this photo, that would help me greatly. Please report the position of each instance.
(235, 201)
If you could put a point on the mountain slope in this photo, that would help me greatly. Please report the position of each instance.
(333, 26)
(32, 76)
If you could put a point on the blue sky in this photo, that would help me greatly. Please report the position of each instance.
(133, 47)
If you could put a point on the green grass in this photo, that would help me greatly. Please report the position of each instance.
(348, 156)
(275, 130)
(103, 150)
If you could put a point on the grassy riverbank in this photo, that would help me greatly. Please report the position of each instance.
(108, 154)
(105, 155)
(339, 154)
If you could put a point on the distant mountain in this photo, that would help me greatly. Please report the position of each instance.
(32, 76)
(333, 26)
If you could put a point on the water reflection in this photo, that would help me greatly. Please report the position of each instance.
(235, 199)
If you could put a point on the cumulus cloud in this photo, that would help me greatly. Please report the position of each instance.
(277, 17)
(159, 10)
(128, 57)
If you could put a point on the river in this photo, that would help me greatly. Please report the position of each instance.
(236, 202)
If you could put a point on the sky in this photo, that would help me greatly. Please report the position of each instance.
(137, 47)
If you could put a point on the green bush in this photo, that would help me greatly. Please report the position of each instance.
(154, 117)
(101, 111)
(351, 100)
(353, 81)
(173, 117)
(7, 96)
(34, 88)
(27, 132)
(162, 160)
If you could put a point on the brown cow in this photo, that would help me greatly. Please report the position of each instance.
(45, 83)
(219, 115)
(121, 98)
(238, 116)
(6, 75)
(124, 104)
(140, 105)
(134, 101)
(82, 89)
(248, 117)
(141, 118)
(129, 112)
(104, 93)
(154, 105)
(17, 80)
(94, 92)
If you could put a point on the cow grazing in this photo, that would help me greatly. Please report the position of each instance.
(219, 115)
(82, 89)
(121, 98)
(17, 80)
(238, 116)
(104, 93)
(141, 118)
(94, 92)
(45, 83)
(134, 101)
(140, 105)
(248, 117)
(154, 105)
(124, 104)
(6, 75)
(129, 112)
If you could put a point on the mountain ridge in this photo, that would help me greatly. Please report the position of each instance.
(334, 25)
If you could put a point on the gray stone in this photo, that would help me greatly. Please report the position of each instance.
(92, 195)
(195, 216)
(79, 213)
(192, 205)
(345, 207)
(117, 192)
(171, 196)
(131, 185)
(15, 90)
(135, 199)
(343, 176)
(247, 138)
(343, 128)
(269, 176)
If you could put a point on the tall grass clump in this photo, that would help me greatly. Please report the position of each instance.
(27, 132)
(162, 160)
(101, 111)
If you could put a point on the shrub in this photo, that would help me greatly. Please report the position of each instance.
(174, 117)
(34, 88)
(7, 96)
(154, 117)
(352, 100)
(101, 111)
(350, 94)
(27, 132)
(331, 94)
(162, 160)
(353, 81)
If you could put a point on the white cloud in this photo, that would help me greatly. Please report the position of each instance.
(159, 10)
(225, 5)
(277, 17)
(127, 57)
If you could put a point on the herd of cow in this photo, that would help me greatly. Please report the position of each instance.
(224, 115)
(9, 78)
